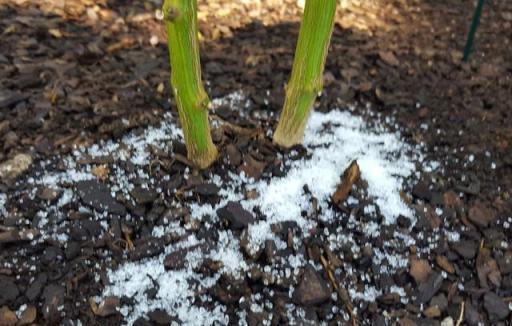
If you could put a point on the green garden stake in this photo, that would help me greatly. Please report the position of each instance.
(472, 31)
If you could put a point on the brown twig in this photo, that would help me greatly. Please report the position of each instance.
(224, 124)
(342, 293)
(461, 315)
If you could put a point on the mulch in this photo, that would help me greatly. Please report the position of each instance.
(78, 72)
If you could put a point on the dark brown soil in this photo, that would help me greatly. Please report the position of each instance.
(74, 74)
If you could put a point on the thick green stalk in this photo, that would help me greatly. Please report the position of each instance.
(306, 81)
(192, 100)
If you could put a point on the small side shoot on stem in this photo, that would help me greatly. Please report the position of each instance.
(306, 81)
(181, 21)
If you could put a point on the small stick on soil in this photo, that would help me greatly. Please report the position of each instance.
(236, 129)
(342, 293)
(461, 315)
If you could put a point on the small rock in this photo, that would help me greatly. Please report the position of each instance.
(238, 217)
(428, 289)
(466, 248)
(9, 291)
(97, 195)
(312, 289)
(496, 308)
(14, 167)
(420, 270)
(481, 215)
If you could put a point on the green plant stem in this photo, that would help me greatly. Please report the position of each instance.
(192, 101)
(306, 81)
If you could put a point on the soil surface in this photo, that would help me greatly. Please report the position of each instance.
(78, 73)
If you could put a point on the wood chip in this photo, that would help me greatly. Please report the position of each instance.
(106, 308)
(28, 316)
(445, 264)
(350, 176)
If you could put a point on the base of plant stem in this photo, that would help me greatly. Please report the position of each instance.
(204, 160)
(286, 138)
